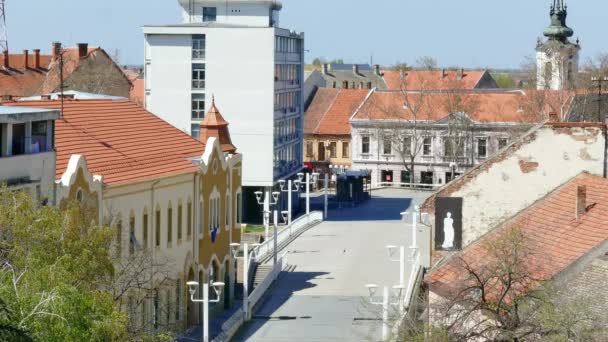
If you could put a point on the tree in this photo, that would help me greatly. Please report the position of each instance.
(427, 63)
(53, 267)
(502, 296)
(504, 81)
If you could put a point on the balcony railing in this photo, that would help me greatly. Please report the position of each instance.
(198, 84)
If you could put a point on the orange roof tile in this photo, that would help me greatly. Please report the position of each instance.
(121, 141)
(431, 79)
(555, 238)
(321, 102)
(137, 93)
(480, 106)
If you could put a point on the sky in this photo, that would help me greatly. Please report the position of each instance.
(490, 34)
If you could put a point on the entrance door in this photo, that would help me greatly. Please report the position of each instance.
(387, 176)
(405, 178)
(448, 176)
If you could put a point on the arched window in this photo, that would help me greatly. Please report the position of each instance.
(548, 76)
(189, 219)
(169, 224)
(180, 215)
(157, 227)
(132, 238)
(119, 236)
(239, 206)
(145, 227)
(228, 210)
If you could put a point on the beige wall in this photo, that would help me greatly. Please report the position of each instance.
(340, 157)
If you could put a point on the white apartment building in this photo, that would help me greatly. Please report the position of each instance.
(235, 52)
(27, 154)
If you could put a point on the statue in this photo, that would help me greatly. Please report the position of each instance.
(448, 232)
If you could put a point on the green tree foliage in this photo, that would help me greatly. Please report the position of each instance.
(504, 81)
(52, 266)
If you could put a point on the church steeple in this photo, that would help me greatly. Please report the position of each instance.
(558, 30)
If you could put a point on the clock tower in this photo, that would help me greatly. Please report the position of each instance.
(557, 58)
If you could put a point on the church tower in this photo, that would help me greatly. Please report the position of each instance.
(557, 58)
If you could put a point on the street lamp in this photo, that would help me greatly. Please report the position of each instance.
(307, 184)
(415, 213)
(247, 257)
(373, 288)
(267, 200)
(217, 288)
(289, 190)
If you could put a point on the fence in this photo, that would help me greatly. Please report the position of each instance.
(298, 226)
(413, 186)
(410, 292)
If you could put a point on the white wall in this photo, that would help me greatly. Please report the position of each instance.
(169, 78)
(510, 183)
(39, 166)
(247, 13)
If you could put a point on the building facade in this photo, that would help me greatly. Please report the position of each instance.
(27, 153)
(442, 144)
(174, 202)
(235, 51)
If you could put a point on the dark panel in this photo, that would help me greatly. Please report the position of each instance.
(448, 223)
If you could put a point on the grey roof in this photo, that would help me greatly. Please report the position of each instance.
(349, 67)
(339, 76)
(78, 95)
(13, 115)
(589, 108)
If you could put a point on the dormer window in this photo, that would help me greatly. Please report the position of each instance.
(209, 14)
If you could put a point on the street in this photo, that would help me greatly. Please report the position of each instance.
(322, 296)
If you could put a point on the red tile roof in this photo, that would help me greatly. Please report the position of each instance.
(480, 106)
(215, 126)
(121, 141)
(331, 109)
(137, 93)
(431, 80)
(551, 232)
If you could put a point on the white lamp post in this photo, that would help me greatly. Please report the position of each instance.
(289, 190)
(391, 252)
(415, 213)
(217, 288)
(266, 202)
(372, 288)
(234, 247)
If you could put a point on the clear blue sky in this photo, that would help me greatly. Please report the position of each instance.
(469, 33)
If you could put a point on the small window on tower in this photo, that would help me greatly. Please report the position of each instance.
(209, 14)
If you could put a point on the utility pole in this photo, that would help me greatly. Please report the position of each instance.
(599, 81)
(3, 31)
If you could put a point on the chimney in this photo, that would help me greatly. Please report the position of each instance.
(442, 73)
(37, 58)
(460, 74)
(553, 117)
(6, 63)
(581, 201)
(7, 97)
(326, 68)
(26, 59)
(56, 50)
(356, 69)
(83, 50)
(377, 69)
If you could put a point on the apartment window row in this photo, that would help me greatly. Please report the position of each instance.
(353, 85)
(328, 150)
(286, 44)
(286, 130)
(39, 141)
(198, 76)
(287, 102)
(285, 158)
(287, 72)
(198, 106)
(198, 46)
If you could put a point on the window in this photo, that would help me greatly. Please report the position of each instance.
(214, 211)
(387, 176)
(39, 137)
(168, 306)
(345, 150)
(427, 146)
(196, 130)
(332, 149)
(407, 146)
(144, 313)
(502, 143)
(448, 145)
(198, 46)
(179, 221)
(178, 299)
(189, 220)
(145, 227)
(228, 210)
(364, 144)
(119, 238)
(169, 224)
(198, 76)
(309, 150)
(156, 311)
(387, 146)
(131, 235)
(321, 151)
(209, 14)
(157, 227)
(239, 208)
(18, 139)
(482, 147)
(198, 106)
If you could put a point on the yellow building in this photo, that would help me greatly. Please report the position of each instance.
(175, 202)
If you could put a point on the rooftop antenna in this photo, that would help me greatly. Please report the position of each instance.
(3, 34)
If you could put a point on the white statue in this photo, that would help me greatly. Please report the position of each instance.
(448, 232)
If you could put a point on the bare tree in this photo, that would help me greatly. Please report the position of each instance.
(427, 63)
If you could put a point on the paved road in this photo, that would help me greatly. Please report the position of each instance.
(324, 298)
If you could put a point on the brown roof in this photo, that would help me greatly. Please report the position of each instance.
(480, 106)
(121, 141)
(137, 93)
(554, 237)
(331, 109)
(431, 79)
(215, 126)
(321, 102)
